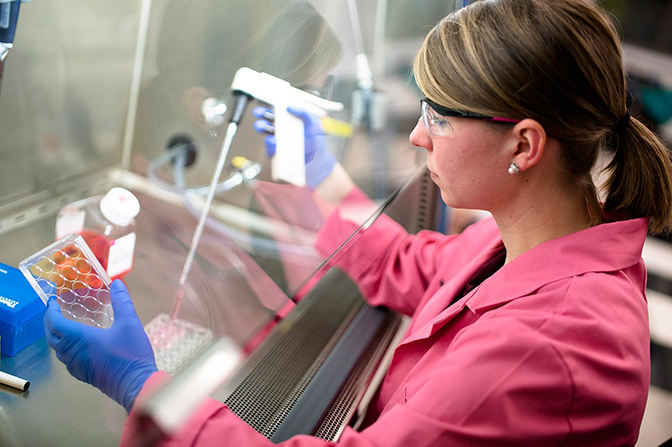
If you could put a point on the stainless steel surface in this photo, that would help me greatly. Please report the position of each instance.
(57, 410)
(66, 93)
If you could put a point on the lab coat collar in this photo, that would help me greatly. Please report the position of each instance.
(440, 304)
(603, 248)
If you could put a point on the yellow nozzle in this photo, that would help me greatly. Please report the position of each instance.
(336, 127)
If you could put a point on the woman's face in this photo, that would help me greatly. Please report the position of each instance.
(470, 166)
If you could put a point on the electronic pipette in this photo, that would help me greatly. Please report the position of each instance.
(288, 163)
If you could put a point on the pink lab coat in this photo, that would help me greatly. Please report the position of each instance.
(553, 349)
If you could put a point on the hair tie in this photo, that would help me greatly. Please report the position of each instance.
(623, 123)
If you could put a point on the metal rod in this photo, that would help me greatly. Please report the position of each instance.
(136, 82)
(356, 27)
(379, 38)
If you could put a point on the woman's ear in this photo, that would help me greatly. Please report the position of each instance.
(193, 98)
(530, 142)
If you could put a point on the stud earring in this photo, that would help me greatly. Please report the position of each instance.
(514, 169)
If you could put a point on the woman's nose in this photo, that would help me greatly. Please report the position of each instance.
(419, 136)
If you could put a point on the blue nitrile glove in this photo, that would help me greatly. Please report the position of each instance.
(319, 161)
(117, 360)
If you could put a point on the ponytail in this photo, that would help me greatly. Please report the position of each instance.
(640, 184)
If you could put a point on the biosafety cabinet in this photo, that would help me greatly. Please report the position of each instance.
(136, 93)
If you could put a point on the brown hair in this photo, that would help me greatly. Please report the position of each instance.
(558, 62)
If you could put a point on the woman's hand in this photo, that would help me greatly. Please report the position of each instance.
(319, 161)
(117, 360)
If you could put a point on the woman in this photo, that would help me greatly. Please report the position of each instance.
(529, 328)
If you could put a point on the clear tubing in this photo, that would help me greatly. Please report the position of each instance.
(230, 132)
(156, 164)
(180, 187)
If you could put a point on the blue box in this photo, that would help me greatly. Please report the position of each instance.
(21, 312)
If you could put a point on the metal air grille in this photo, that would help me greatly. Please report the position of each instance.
(425, 196)
(269, 392)
(346, 403)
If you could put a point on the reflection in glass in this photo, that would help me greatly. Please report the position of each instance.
(66, 93)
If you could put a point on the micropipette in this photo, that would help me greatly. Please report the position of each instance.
(287, 163)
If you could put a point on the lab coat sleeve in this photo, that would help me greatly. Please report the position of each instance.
(391, 267)
(499, 384)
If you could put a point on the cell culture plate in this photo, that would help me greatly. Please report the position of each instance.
(175, 341)
(68, 271)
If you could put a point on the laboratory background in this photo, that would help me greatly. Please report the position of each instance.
(137, 94)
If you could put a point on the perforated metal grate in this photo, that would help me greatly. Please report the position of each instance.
(265, 397)
(346, 404)
(424, 210)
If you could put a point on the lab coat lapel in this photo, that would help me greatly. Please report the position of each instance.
(438, 311)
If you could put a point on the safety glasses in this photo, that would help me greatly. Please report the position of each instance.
(324, 91)
(434, 116)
